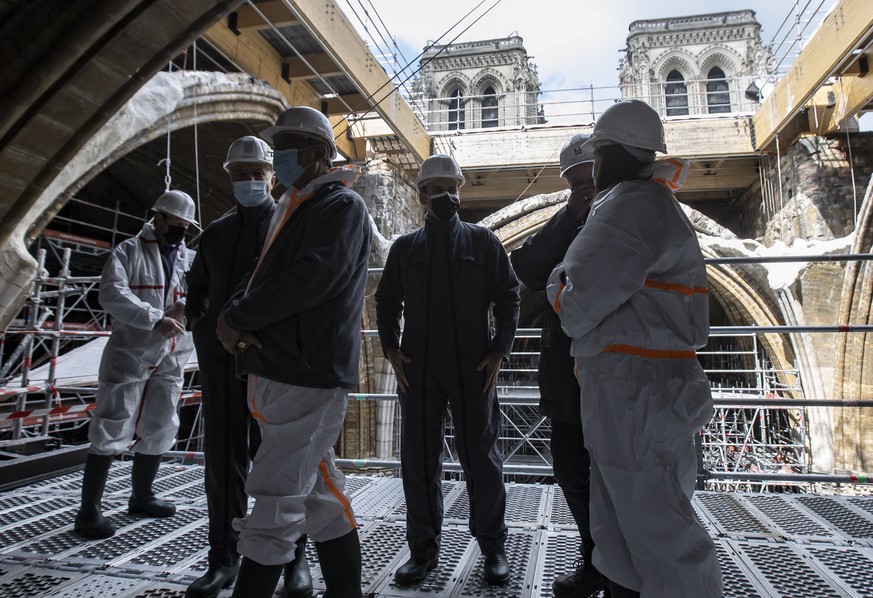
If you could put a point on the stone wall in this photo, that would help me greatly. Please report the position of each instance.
(391, 198)
(817, 201)
(393, 203)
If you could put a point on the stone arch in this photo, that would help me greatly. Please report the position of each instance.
(670, 101)
(489, 77)
(679, 60)
(169, 100)
(183, 97)
(720, 96)
(489, 102)
(742, 290)
(723, 57)
(853, 376)
(455, 81)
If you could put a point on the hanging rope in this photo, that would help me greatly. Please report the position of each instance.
(196, 144)
(168, 179)
(852, 174)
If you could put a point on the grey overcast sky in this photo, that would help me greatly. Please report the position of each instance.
(574, 43)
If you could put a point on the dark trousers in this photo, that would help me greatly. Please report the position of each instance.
(477, 424)
(231, 440)
(572, 467)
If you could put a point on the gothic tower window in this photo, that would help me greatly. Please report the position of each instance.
(718, 99)
(489, 108)
(676, 94)
(456, 111)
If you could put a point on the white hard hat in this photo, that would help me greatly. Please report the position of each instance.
(629, 122)
(249, 150)
(305, 121)
(439, 166)
(176, 203)
(574, 153)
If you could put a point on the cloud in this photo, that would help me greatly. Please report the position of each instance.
(574, 43)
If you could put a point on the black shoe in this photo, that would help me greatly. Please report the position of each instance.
(581, 583)
(298, 579)
(212, 582)
(496, 570)
(90, 522)
(413, 571)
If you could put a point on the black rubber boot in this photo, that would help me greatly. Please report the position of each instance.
(340, 561)
(298, 579)
(617, 591)
(142, 499)
(256, 580)
(90, 522)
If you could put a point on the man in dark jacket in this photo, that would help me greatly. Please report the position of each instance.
(228, 250)
(296, 329)
(443, 278)
(559, 390)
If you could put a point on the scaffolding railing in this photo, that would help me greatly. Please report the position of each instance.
(758, 438)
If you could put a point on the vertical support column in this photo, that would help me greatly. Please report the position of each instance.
(50, 383)
(34, 321)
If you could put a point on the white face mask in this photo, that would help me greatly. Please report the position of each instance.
(251, 193)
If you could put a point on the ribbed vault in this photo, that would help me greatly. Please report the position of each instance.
(853, 376)
(168, 102)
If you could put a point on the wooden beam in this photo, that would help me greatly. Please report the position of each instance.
(311, 67)
(344, 143)
(849, 94)
(328, 24)
(276, 11)
(840, 32)
(340, 105)
(254, 55)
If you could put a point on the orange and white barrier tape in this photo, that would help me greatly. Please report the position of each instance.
(43, 412)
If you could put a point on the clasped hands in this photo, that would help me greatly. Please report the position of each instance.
(490, 363)
(235, 341)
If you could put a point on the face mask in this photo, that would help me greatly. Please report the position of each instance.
(286, 166)
(250, 193)
(174, 234)
(445, 205)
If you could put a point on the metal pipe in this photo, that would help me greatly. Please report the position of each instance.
(56, 341)
(759, 476)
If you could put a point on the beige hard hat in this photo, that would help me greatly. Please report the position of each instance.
(176, 203)
(629, 122)
(249, 150)
(574, 152)
(304, 121)
(439, 166)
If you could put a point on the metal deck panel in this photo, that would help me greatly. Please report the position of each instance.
(774, 545)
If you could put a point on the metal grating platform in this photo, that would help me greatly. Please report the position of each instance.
(775, 545)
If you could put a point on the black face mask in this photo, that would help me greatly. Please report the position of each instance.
(174, 234)
(445, 205)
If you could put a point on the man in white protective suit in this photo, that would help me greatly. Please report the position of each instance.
(632, 294)
(142, 287)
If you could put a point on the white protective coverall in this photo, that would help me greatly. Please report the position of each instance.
(140, 375)
(636, 306)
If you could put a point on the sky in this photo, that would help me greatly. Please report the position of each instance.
(574, 43)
